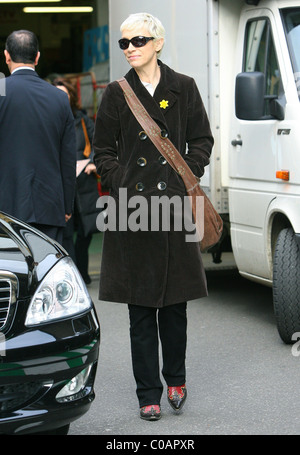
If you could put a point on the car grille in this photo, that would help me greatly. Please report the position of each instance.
(5, 299)
(8, 296)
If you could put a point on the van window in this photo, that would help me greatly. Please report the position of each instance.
(260, 56)
(291, 21)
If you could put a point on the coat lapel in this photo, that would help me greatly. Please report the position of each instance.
(165, 96)
(166, 93)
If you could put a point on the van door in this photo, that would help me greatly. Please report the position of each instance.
(252, 161)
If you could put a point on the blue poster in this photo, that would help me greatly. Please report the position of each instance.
(96, 46)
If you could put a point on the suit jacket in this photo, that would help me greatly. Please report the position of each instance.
(37, 150)
(144, 267)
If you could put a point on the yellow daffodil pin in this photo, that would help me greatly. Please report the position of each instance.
(164, 104)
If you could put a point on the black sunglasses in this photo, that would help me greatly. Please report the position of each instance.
(137, 41)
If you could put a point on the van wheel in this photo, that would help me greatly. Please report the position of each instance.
(286, 285)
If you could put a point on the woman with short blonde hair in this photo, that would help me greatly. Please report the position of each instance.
(154, 272)
(154, 26)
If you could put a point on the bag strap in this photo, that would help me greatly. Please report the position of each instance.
(87, 149)
(163, 144)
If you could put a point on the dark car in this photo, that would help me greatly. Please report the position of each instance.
(49, 334)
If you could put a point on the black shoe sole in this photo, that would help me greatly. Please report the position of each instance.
(150, 418)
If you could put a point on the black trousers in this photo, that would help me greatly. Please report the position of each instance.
(147, 325)
(82, 244)
(79, 251)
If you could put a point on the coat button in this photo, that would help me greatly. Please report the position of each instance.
(161, 186)
(143, 136)
(139, 186)
(164, 134)
(141, 161)
(162, 160)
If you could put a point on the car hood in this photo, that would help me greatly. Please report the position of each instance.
(26, 252)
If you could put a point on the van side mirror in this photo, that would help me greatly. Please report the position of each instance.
(249, 95)
(250, 98)
(277, 107)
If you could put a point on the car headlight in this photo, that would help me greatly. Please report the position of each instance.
(61, 294)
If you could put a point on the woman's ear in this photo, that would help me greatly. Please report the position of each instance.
(159, 44)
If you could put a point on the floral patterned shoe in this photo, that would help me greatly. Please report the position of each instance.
(151, 412)
(177, 396)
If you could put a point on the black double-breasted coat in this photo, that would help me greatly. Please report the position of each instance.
(150, 267)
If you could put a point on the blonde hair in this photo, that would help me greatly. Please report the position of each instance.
(154, 26)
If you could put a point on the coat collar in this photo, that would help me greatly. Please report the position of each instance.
(165, 96)
(26, 72)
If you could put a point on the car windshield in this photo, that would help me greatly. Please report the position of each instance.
(291, 20)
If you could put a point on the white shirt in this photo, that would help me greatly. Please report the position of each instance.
(22, 68)
(149, 87)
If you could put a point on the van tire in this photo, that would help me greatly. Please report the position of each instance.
(286, 285)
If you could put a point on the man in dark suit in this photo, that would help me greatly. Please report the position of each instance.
(37, 142)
